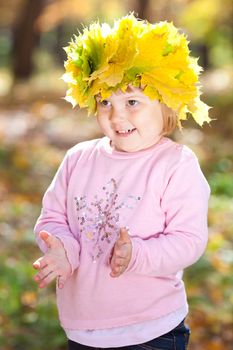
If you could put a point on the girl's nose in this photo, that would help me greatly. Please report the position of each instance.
(116, 115)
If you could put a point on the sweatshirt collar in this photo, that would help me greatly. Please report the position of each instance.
(105, 147)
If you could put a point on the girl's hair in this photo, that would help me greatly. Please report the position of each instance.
(170, 120)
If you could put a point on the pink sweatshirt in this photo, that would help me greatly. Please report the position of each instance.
(161, 195)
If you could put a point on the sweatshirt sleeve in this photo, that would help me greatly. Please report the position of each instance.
(53, 218)
(185, 205)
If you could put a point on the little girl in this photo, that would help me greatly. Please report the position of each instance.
(126, 213)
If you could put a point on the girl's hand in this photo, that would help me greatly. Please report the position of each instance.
(54, 264)
(122, 252)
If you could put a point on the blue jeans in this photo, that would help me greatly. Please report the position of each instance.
(177, 339)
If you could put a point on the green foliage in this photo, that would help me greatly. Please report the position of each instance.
(209, 23)
(28, 317)
(4, 50)
(209, 282)
(221, 184)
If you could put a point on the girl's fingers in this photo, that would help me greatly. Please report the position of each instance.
(43, 273)
(124, 236)
(119, 261)
(117, 271)
(48, 279)
(123, 251)
(45, 236)
(60, 282)
(118, 266)
(47, 275)
(51, 241)
(39, 263)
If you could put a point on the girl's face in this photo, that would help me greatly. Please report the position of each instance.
(131, 120)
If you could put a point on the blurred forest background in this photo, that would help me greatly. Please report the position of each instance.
(37, 126)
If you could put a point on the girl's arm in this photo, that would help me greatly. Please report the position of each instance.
(184, 239)
(53, 218)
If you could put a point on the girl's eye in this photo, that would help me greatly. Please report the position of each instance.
(105, 103)
(132, 102)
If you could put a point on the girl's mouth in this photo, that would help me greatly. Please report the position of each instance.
(125, 133)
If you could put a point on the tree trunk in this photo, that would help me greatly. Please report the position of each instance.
(25, 38)
(204, 53)
(59, 44)
(141, 8)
